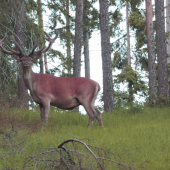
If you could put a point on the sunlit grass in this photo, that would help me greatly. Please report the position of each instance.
(141, 136)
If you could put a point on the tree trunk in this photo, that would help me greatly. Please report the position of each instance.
(78, 38)
(151, 51)
(40, 23)
(108, 95)
(86, 44)
(128, 36)
(130, 99)
(163, 85)
(45, 63)
(168, 28)
(19, 10)
(68, 43)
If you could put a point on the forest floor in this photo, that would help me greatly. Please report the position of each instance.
(137, 138)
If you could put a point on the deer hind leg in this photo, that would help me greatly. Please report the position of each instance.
(98, 116)
(89, 105)
(45, 109)
(93, 113)
(90, 113)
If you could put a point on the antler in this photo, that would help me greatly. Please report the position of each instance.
(10, 51)
(43, 49)
(3, 40)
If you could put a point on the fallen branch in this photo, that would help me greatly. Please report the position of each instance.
(75, 140)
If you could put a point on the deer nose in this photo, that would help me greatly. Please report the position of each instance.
(27, 64)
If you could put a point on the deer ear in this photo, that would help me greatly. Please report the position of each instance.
(36, 57)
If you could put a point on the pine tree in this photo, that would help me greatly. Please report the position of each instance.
(40, 23)
(78, 38)
(108, 95)
(19, 29)
(151, 52)
(163, 85)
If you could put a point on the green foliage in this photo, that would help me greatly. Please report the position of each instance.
(119, 62)
(115, 19)
(8, 83)
(141, 136)
(160, 101)
(135, 4)
(138, 23)
(92, 17)
(135, 85)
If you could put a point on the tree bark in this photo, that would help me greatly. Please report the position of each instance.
(86, 44)
(68, 43)
(78, 38)
(45, 63)
(40, 23)
(131, 97)
(19, 10)
(128, 36)
(163, 85)
(168, 28)
(108, 95)
(151, 51)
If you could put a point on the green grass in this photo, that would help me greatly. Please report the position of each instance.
(139, 136)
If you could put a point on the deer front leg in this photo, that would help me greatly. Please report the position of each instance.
(45, 109)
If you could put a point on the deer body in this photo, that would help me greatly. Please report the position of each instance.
(56, 88)
(63, 92)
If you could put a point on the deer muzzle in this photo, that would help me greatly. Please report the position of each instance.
(27, 64)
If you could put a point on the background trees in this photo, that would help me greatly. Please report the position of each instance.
(128, 53)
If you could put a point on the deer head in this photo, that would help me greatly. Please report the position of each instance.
(27, 60)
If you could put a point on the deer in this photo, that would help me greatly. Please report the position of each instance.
(47, 90)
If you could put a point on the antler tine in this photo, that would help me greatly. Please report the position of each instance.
(13, 51)
(3, 40)
(15, 42)
(35, 46)
(45, 49)
(48, 38)
(10, 52)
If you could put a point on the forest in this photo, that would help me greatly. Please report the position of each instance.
(133, 38)
(134, 43)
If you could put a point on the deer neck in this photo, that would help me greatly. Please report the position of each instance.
(28, 76)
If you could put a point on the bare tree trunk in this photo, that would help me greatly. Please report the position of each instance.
(86, 53)
(78, 38)
(131, 97)
(78, 41)
(45, 63)
(168, 28)
(128, 36)
(19, 10)
(40, 23)
(151, 51)
(163, 85)
(108, 95)
(68, 43)
(86, 44)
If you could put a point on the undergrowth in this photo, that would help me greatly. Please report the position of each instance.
(138, 137)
